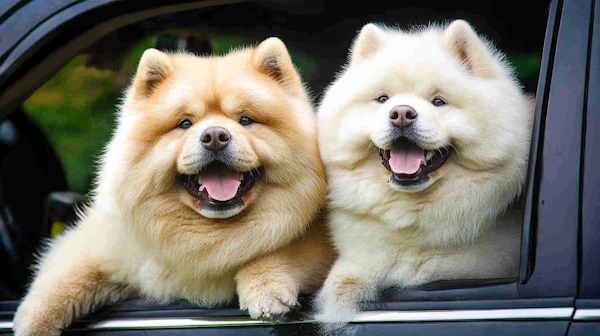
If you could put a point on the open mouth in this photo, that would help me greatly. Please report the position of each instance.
(410, 164)
(218, 187)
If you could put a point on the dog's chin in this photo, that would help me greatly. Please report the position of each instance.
(221, 213)
(210, 203)
(411, 186)
(413, 168)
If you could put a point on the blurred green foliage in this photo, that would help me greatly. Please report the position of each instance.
(527, 66)
(76, 108)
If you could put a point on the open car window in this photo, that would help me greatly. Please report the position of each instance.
(74, 104)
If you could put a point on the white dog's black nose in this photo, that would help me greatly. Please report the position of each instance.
(403, 115)
(215, 138)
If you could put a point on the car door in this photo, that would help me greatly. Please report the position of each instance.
(541, 301)
(587, 316)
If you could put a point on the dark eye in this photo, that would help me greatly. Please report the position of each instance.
(382, 99)
(246, 121)
(437, 101)
(185, 124)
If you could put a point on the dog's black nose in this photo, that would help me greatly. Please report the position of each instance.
(215, 138)
(403, 115)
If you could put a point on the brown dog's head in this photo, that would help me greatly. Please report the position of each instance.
(216, 133)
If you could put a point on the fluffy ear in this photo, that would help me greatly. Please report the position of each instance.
(272, 58)
(154, 68)
(369, 41)
(463, 42)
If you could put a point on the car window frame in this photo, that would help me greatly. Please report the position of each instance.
(530, 291)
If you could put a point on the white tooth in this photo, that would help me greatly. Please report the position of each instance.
(429, 155)
(199, 179)
(241, 176)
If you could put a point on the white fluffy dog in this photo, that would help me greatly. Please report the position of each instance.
(441, 109)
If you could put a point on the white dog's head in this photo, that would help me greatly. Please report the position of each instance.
(438, 106)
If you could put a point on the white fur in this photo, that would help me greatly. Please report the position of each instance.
(454, 226)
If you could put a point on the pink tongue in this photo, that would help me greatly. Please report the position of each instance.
(222, 186)
(406, 159)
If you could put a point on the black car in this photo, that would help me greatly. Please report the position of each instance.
(557, 291)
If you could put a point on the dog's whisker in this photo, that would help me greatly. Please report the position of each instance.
(456, 150)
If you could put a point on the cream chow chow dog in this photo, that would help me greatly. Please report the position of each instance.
(425, 137)
(207, 188)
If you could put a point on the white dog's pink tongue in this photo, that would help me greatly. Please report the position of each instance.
(406, 159)
(222, 186)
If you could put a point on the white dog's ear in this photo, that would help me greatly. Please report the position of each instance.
(272, 58)
(154, 68)
(369, 41)
(472, 51)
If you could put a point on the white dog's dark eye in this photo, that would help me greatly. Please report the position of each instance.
(246, 121)
(382, 99)
(185, 124)
(438, 101)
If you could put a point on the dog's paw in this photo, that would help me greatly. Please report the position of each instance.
(333, 313)
(31, 319)
(335, 310)
(268, 301)
(337, 303)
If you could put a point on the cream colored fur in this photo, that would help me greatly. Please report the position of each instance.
(144, 235)
(455, 227)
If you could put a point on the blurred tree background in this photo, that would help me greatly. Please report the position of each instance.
(76, 108)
